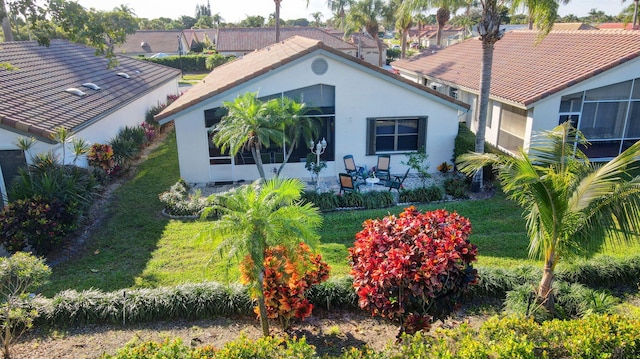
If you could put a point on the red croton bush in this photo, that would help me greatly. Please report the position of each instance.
(414, 267)
(288, 274)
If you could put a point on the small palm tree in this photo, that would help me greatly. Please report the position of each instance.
(261, 215)
(62, 135)
(250, 124)
(570, 204)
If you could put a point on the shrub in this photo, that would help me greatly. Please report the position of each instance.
(169, 348)
(216, 60)
(418, 162)
(456, 187)
(337, 292)
(421, 194)
(325, 201)
(286, 281)
(465, 141)
(444, 167)
(20, 274)
(179, 201)
(41, 223)
(266, 348)
(377, 199)
(101, 156)
(350, 199)
(126, 145)
(154, 110)
(414, 267)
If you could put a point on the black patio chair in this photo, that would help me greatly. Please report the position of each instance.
(397, 181)
(351, 168)
(347, 183)
(383, 168)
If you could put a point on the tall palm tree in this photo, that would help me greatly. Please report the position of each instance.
(250, 124)
(570, 204)
(364, 14)
(339, 7)
(404, 21)
(635, 12)
(317, 18)
(541, 13)
(443, 14)
(277, 18)
(261, 215)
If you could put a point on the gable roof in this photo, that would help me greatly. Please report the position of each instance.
(33, 100)
(566, 26)
(253, 38)
(151, 42)
(525, 72)
(255, 64)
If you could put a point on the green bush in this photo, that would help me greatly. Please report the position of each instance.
(126, 145)
(178, 201)
(456, 187)
(169, 348)
(191, 63)
(325, 201)
(421, 194)
(337, 292)
(38, 222)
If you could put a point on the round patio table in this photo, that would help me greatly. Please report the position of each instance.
(372, 180)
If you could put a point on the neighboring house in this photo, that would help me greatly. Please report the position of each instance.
(428, 36)
(364, 111)
(568, 26)
(38, 96)
(147, 43)
(589, 77)
(367, 49)
(617, 25)
(241, 41)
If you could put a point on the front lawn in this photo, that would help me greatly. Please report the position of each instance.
(137, 247)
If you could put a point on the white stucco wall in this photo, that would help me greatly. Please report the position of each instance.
(103, 130)
(359, 93)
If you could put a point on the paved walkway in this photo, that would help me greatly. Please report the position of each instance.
(330, 184)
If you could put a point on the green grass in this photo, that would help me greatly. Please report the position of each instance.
(192, 78)
(137, 247)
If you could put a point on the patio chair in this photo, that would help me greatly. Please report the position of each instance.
(383, 167)
(351, 168)
(347, 183)
(397, 181)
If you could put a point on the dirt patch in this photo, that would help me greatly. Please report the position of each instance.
(330, 332)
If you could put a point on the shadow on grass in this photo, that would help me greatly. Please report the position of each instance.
(120, 247)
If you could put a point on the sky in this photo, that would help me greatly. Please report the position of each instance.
(236, 10)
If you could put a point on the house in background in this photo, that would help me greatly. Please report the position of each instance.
(147, 43)
(427, 36)
(364, 111)
(241, 41)
(66, 85)
(589, 77)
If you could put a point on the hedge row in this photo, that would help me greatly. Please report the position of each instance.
(191, 63)
(206, 300)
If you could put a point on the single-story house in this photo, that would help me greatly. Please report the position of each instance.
(147, 43)
(241, 41)
(364, 111)
(590, 77)
(66, 85)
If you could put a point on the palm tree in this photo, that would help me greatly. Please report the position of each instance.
(443, 14)
(262, 215)
(570, 204)
(339, 8)
(541, 13)
(317, 18)
(635, 12)
(62, 134)
(365, 14)
(277, 18)
(298, 129)
(249, 124)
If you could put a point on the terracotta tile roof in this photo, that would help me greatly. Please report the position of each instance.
(150, 42)
(524, 72)
(367, 40)
(255, 64)
(33, 98)
(567, 26)
(253, 38)
(617, 25)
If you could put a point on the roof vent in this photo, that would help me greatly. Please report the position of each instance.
(319, 66)
(75, 91)
(92, 86)
(123, 75)
(144, 44)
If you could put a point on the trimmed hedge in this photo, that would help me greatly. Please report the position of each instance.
(204, 300)
(192, 63)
